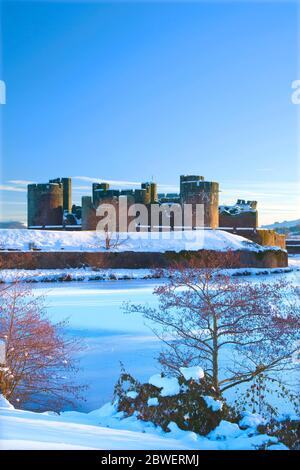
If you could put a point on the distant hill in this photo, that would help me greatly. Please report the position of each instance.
(289, 227)
(285, 223)
(12, 224)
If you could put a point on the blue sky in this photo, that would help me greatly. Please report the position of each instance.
(130, 91)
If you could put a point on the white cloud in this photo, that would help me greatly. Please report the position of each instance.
(81, 188)
(121, 184)
(5, 187)
(112, 182)
(21, 182)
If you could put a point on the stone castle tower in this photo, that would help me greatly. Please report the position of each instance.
(195, 190)
(67, 192)
(47, 202)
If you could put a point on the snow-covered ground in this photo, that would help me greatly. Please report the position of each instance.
(46, 240)
(89, 274)
(74, 274)
(294, 261)
(105, 428)
(72, 430)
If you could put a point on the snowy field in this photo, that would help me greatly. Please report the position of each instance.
(25, 240)
(105, 428)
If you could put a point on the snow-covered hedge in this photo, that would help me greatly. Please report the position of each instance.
(188, 401)
(188, 404)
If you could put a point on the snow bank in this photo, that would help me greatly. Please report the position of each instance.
(107, 428)
(225, 430)
(74, 274)
(251, 420)
(89, 274)
(48, 240)
(5, 403)
(294, 261)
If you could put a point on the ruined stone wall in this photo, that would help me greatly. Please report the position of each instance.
(164, 218)
(88, 214)
(262, 237)
(193, 190)
(271, 238)
(130, 259)
(244, 219)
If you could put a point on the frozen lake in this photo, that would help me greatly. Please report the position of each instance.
(94, 310)
(95, 313)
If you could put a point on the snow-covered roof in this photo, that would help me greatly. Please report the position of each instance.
(238, 208)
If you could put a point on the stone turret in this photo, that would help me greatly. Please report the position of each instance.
(97, 189)
(45, 204)
(88, 213)
(151, 189)
(195, 190)
(67, 192)
(188, 183)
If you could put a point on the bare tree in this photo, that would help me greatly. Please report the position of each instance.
(39, 355)
(108, 226)
(235, 330)
(112, 239)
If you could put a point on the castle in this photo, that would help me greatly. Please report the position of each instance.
(50, 204)
(50, 207)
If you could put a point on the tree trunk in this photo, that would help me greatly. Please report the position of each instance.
(215, 357)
